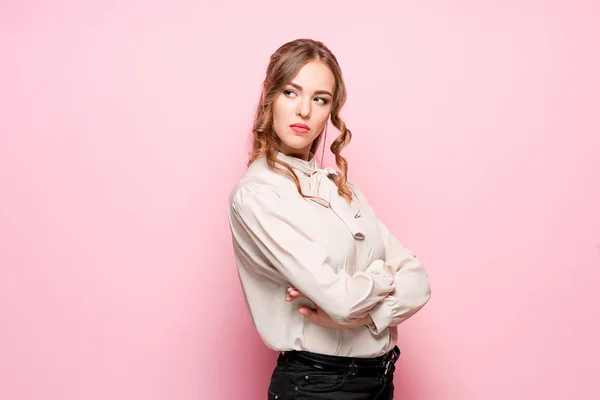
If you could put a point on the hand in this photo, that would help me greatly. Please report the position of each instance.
(294, 294)
(319, 316)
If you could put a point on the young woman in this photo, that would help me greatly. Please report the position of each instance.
(325, 282)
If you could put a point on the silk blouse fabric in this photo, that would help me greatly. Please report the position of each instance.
(340, 255)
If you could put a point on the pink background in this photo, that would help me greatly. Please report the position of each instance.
(123, 126)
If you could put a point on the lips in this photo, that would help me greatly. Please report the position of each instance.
(300, 128)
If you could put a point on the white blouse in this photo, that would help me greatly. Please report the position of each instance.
(340, 255)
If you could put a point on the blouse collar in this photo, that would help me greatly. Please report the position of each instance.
(316, 183)
(307, 167)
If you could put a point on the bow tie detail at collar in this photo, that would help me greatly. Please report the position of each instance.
(316, 182)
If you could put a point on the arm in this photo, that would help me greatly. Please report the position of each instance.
(318, 316)
(285, 242)
(412, 289)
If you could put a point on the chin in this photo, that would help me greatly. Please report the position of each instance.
(297, 143)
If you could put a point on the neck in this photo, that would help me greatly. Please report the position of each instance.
(303, 154)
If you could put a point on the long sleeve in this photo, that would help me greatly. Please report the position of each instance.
(412, 290)
(283, 239)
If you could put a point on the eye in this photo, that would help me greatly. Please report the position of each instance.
(324, 101)
(288, 92)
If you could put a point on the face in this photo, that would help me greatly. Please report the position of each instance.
(302, 109)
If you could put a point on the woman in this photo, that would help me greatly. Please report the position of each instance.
(325, 282)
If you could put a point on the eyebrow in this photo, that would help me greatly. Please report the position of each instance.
(316, 91)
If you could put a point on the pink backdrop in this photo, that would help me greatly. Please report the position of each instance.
(123, 126)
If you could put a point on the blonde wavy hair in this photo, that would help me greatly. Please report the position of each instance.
(284, 64)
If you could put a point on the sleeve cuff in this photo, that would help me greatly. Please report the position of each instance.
(382, 318)
(379, 272)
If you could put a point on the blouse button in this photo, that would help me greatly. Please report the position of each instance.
(306, 377)
(296, 389)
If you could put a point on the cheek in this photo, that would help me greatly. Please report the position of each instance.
(322, 118)
(281, 110)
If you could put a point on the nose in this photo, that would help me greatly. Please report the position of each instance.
(303, 109)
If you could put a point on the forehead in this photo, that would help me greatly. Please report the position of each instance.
(315, 76)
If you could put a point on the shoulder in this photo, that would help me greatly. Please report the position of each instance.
(260, 185)
(251, 190)
(360, 197)
(356, 190)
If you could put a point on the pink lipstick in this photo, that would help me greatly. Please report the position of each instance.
(300, 128)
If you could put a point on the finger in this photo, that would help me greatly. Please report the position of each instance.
(307, 312)
(293, 296)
